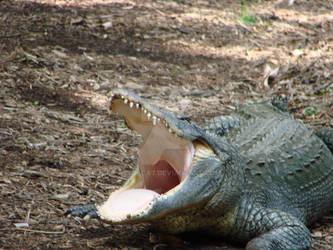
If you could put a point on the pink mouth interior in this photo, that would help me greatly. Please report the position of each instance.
(163, 177)
(165, 161)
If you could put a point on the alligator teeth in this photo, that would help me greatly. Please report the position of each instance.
(126, 101)
(149, 115)
(166, 124)
(145, 111)
(137, 105)
(122, 97)
(154, 120)
(131, 104)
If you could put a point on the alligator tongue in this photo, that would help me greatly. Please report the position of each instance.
(125, 203)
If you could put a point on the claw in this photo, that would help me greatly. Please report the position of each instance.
(91, 214)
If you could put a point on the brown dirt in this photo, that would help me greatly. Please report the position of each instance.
(58, 145)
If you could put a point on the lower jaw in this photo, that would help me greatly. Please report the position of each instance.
(124, 204)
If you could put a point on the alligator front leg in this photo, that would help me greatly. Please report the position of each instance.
(271, 229)
(83, 211)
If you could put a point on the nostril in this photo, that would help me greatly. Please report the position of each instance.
(162, 177)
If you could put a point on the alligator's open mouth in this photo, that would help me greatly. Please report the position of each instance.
(165, 160)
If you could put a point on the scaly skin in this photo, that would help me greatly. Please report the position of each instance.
(266, 177)
(289, 172)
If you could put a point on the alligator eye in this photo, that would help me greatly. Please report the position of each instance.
(184, 117)
(220, 132)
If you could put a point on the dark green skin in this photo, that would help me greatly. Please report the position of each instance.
(289, 175)
(271, 177)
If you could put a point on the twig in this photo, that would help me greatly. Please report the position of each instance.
(39, 231)
(117, 177)
(308, 67)
(10, 36)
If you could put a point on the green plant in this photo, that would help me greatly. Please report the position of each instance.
(311, 111)
(34, 103)
(176, 70)
(246, 15)
(326, 90)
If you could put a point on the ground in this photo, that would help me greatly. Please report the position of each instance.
(59, 146)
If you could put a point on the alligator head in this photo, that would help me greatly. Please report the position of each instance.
(180, 172)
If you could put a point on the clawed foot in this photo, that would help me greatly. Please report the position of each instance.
(85, 211)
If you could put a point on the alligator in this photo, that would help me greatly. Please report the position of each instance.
(257, 177)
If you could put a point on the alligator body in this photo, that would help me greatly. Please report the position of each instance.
(257, 176)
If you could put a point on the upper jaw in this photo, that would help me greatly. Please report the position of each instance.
(166, 159)
(151, 115)
(167, 146)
